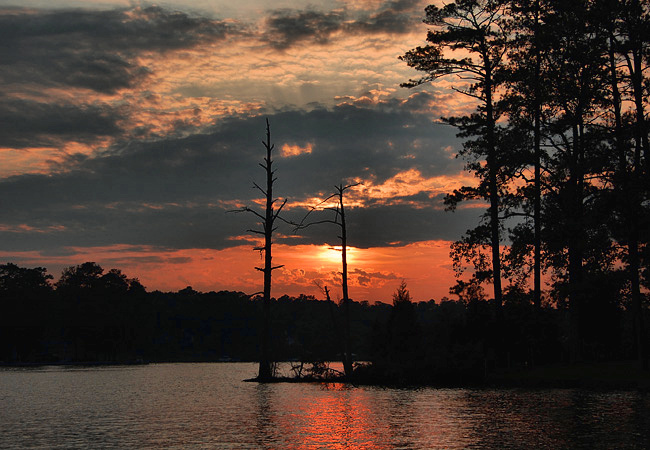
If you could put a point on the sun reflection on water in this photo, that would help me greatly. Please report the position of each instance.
(319, 419)
(208, 406)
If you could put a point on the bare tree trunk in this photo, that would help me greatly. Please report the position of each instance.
(339, 220)
(347, 356)
(265, 372)
(267, 221)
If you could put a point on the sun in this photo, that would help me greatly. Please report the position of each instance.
(332, 254)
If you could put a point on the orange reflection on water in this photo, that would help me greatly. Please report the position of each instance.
(338, 421)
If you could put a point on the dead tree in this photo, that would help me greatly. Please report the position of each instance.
(339, 220)
(267, 225)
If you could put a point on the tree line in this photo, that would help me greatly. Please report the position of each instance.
(92, 315)
(95, 316)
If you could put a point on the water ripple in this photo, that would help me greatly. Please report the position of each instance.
(208, 406)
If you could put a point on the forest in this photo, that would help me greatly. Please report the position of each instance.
(558, 143)
(93, 316)
(557, 270)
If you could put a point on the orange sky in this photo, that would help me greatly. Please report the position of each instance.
(374, 273)
(131, 129)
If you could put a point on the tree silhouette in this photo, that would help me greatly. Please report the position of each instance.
(572, 159)
(470, 27)
(403, 328)
(338, 220)
(80, 278)
(25, 301)
(15, 279)
(625, 25)
(267, 224)
(524, 103)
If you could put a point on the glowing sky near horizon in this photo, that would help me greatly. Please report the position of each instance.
(129, 129)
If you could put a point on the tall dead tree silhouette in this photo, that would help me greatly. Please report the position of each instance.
(339, 220)
(267, 224)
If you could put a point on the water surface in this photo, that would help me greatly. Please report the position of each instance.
(208, 406)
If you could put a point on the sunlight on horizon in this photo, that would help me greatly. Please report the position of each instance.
(332, 254)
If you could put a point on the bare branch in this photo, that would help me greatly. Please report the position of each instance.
(260, 189)
(350, 186)
(277, 213)
(247, 209)
(307, 225)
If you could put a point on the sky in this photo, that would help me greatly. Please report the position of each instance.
(129, 130)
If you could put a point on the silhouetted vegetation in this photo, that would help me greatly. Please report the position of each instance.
(558, 141)
(339, 221)
(266, 222)
(90, 315)
(93, 316)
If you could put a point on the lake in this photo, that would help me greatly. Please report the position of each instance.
(208, 406)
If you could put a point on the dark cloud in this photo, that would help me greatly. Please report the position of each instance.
(175, 192)
(93, 49)
(393, 225)
(93, 225)
(395, 17)
(287, 27)
(348, 141)
(27, 123)
(365, 278)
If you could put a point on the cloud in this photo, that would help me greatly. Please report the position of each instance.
(288, 150)
(175, 192)
(144, 160)
(288, 27)
(27, 123)
(394, 17)
(94, 49)
(61, 72)
(364, 278)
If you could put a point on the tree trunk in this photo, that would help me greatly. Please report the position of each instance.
(537, 200)
(265, 372)
(494, 190)
(628, 199)
(347, 356)
(575, 246)
(641, 148)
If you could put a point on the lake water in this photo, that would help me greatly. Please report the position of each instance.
(208, 406)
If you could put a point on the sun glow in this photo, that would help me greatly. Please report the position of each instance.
(332, 254)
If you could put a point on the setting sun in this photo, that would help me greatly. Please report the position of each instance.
(332, 254)
(365, 224)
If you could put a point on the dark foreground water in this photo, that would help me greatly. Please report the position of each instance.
(208, 406)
